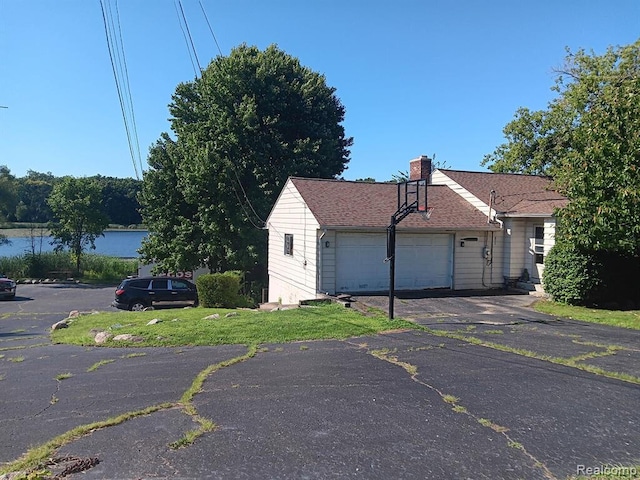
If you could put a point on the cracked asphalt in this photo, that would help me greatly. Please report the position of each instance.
(406, 404)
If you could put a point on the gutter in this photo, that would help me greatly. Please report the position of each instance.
(319, 261)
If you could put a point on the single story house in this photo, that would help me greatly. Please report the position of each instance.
(329, 236)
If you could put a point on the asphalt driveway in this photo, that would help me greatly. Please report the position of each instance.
(407, 404)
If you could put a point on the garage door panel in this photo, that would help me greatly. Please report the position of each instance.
(422, 261)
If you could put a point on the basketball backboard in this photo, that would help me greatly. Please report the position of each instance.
(412, 196)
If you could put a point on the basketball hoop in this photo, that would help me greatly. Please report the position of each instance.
(412, 198)
(425, 212)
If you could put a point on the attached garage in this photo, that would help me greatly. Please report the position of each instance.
(422, 261)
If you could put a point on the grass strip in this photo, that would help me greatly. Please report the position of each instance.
(194, 326)
(573, 362)
(615, 318)
(388, 356)
(98, 364)
(36, 456)
(186, 400)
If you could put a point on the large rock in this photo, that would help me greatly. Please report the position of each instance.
(61, 324)
(127, 337)
(102, 337)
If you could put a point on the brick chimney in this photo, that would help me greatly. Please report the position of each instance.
(420, 168)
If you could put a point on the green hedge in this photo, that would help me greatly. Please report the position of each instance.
(592, 278)
(570, 276)
(220, 290)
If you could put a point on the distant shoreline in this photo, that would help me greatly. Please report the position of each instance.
(44, 232)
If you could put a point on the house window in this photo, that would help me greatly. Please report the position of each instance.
(538, 246)
(288, 244)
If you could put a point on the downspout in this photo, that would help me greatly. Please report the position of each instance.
(492, 196)
(319, 261)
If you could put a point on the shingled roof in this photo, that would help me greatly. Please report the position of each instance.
(341, 203)
(516, 194)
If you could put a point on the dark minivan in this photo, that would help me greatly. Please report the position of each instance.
(142, 292)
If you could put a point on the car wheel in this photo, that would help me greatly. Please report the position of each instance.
(137, 306)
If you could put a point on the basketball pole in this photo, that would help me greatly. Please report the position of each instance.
(406, 206)
(391, 251)
(391, 255)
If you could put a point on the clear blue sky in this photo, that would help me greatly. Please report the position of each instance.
(415, 76)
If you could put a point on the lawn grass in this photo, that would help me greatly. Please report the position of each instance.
(617, 318)
(247, 327)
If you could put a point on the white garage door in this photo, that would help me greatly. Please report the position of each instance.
(422, 261)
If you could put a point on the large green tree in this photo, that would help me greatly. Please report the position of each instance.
(120, 199)
(588, 139)
(33, 191)
(76, 204)
(253, 119)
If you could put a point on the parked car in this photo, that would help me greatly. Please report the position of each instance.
(7, 288)
(142, 292)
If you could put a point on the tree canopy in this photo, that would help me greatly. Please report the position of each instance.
(24, 199)
(77, 206)
(588, 139)
(253, 119)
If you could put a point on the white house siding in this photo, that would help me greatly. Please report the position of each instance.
(327, 261)
(472, 269)
(292, 277)
(516, 248)
(518, 252)
(549, 224)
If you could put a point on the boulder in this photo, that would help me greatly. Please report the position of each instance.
(231, 314)
(212, 317)
(74, 314)
(102, 337)
(127, 337)
(61, 324)
(154, 321)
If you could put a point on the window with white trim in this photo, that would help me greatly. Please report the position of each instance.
(538, 245)
(288, 244)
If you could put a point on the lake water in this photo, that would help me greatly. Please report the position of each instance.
(115, 243)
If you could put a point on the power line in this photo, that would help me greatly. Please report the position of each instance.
(210, 29)
(235, 171)
(128, 90)
(116, 56)
(186, 33)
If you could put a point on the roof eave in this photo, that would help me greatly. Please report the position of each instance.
(525, 215)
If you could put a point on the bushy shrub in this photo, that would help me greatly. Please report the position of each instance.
(570, 275)
(94, 268)
(103, 268)
(602, 278)
(220, 290)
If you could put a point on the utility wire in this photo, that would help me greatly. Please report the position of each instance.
(195, 53)
(235, 171)
(210, 29)
(114, 51)
(182, 20)
(128, 90)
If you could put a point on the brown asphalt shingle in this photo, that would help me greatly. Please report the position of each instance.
(340, 203)
(515, 193)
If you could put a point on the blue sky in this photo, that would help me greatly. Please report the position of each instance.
(416, 77)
